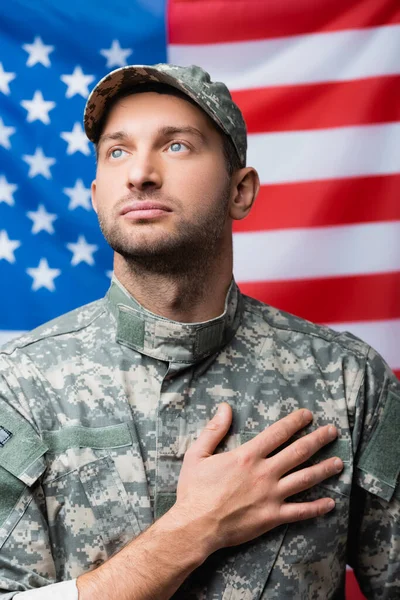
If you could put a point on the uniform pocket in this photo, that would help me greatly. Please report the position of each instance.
(89, 498)
(109, 501)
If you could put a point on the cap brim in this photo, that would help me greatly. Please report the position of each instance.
(120, 81)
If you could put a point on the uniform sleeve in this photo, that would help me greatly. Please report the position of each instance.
(26, 560)
(65, 590)
(374, 535)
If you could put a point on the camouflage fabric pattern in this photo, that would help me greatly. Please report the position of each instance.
(212, 96)
(108, 399)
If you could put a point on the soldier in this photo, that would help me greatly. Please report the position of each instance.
(120, 479)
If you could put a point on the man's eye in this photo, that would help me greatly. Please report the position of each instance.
(116, 153)
(177, 147)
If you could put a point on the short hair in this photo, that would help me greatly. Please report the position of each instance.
(232, 160)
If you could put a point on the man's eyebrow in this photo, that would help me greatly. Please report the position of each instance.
(174, 130)
(119, 136)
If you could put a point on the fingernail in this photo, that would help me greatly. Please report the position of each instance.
(338, 464)
(330, 504)
(332, 432)
(307, 415)
(217, 415)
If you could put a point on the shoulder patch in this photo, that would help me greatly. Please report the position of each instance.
(381, 458)
(22, 450)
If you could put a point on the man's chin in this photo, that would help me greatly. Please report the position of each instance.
(153, 251)
(143, 241)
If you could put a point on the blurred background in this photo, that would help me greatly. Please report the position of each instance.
(319, 86)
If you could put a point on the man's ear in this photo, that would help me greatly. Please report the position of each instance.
(246, 184)
(94, 203)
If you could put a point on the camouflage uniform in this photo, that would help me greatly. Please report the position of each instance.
(98, 407)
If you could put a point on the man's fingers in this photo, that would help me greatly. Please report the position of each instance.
(308, 477)
(280, 432)
(213, 433)
(301, 450)
(300, 511)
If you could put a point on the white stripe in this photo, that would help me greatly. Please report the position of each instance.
(317, 252)
(5, 336)
(319, 57)
(383, 336)
(325, 153)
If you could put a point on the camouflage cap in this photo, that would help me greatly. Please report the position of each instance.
(212, 96)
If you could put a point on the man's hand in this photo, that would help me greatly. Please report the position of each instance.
(241, 494)
(223, 500)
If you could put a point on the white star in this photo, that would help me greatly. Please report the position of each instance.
(7, 247)
(42, 220)
(76, 140)
(5, 79)
(109, 274)
(39, 164)
(78, 195)
(6, 191)
(38, 53)
(116, 56)
(43, 276)
(82, 251)
(77, 83)
(5, 133)
(38, 108)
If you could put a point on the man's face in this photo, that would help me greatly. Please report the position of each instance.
(161, 189)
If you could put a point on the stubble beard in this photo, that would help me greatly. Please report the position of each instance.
(190, 250)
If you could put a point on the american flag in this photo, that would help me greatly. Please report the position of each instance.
(319, 86)
(53, 257)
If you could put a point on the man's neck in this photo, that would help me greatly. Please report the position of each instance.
(189, 298)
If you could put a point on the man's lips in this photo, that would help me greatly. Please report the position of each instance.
(140, 209)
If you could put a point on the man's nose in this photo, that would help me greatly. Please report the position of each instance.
(144, 172)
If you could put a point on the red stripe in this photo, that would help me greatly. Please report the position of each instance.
(321, 106)
(324, 203)
(216, 21)
(353, 591)
(397, 373)
(335, 299)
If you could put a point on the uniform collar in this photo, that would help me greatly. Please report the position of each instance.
(167, 340)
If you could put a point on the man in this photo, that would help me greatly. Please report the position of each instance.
(105, 412)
